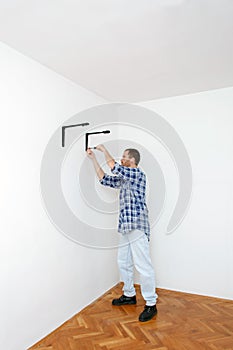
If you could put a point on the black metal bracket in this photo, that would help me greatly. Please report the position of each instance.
(69, 126)
(92, 133)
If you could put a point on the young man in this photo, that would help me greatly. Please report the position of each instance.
(133, 225)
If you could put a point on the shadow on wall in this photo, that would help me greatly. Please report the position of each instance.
(71, 194)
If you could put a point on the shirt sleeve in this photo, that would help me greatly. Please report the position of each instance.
(124, 172)
(111, 181)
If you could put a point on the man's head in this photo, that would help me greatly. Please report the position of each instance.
(130, 158)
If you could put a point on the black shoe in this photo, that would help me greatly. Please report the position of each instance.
(148, 313)
(123, 300)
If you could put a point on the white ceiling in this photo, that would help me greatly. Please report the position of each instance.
(127, 50)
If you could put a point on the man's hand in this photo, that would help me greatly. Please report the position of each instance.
(101, 148)
(90, 153)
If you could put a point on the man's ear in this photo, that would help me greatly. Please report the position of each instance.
(132, 160)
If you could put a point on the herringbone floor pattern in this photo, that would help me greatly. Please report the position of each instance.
(184, 322)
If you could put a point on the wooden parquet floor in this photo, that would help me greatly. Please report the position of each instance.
(184, 322)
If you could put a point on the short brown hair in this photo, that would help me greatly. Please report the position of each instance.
(133, 153)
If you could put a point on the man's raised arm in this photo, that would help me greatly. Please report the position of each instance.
(109, 159)
(98, 169)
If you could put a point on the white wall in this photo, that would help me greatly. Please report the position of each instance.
(198, 257)
(45, 277)
(44, 280)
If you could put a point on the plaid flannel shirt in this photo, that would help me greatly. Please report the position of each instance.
(133, 209)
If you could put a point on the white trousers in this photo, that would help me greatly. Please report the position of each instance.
(133, 250)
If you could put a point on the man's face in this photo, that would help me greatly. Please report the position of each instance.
(126, 161)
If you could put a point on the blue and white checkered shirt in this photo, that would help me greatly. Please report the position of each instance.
(133, 209)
